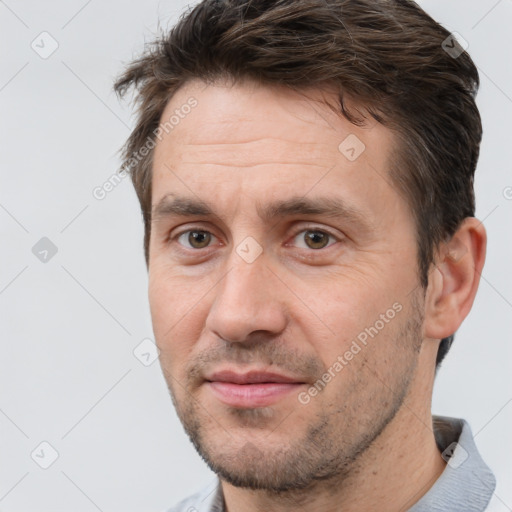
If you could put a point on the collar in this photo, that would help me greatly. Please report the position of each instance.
(466, 484)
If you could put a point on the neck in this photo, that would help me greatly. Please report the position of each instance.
(398, 468)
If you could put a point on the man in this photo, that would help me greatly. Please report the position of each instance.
(305, 172)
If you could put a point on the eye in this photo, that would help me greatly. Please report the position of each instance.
(195, 238)
(313, 239)
(305, 239)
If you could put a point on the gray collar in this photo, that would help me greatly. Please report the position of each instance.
(466, 484)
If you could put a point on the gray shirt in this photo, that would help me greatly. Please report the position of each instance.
(465, 485)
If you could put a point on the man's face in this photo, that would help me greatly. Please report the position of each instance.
(280, 251)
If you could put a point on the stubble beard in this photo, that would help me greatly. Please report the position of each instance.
(325, 454)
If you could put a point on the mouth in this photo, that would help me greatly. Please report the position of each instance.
(251, 389)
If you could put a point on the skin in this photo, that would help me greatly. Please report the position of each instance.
(365, 442)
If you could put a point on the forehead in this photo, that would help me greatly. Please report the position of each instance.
(249, 137)
(247, 110)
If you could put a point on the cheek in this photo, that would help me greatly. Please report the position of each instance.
(347, 311)
(342, 304)
(175, 317)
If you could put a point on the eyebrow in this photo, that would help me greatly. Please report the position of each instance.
(330, 207)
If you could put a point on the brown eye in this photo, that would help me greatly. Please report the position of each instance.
(195, 239)
(316, 239)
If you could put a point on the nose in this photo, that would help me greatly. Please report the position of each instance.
(249, 298)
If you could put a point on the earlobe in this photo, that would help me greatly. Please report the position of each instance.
(454, 280)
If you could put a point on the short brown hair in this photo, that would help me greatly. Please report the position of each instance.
(388, 55)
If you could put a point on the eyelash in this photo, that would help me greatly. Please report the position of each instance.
(304, 230)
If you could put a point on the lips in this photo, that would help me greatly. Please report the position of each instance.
(251, 389)
(252, 377)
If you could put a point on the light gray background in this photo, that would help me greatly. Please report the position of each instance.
(68, 375)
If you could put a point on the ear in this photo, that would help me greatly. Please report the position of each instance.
(454, 278)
